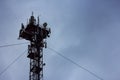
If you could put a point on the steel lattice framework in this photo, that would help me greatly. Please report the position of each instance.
(36, 34)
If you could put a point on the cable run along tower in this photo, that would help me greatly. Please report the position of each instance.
(37, 35)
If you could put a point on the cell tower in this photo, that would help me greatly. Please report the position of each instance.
(37, 35)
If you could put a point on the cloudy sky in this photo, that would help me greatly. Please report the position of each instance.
(85, 31)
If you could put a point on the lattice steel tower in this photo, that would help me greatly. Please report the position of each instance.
(36, 34)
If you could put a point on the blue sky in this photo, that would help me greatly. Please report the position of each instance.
(86, 31)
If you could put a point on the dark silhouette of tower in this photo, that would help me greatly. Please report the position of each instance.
(37, 35)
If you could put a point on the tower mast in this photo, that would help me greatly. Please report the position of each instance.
(36, 34)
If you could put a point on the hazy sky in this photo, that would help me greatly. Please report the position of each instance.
(85, 31)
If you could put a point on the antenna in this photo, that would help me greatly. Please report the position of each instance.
(32, 13)
(38, 20)
(36, 35)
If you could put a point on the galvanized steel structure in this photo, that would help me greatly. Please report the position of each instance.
(37, 35)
